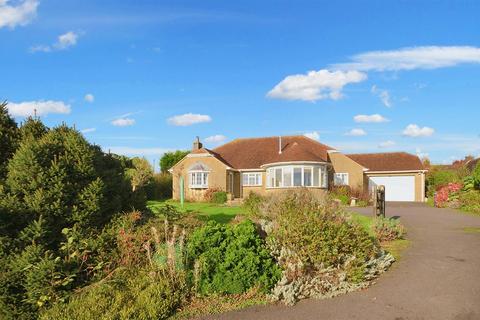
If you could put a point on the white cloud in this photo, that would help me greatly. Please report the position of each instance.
(29, 108)
(188, 119)
(88, 130)
(315, 85)
(356, 132)
(128, 151)
(314, 135)
(89, 97)
(384, 95)
(218, 138)
(373, 118)
(413, 130)
(64, 41)
(421, 154)
(386, 144)
(123, 122)
(427, 57)
(17, 15)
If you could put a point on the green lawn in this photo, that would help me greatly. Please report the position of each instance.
(206, 211)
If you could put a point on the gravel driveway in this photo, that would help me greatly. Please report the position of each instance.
(438, 277)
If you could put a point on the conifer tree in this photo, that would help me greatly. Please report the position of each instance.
(8, 138)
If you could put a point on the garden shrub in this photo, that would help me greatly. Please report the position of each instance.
(131, 294)
(470, 201)
(447, 195)
(252, 203)
(320, 234)
(440, 177)
(230, 259)
(388, 229)
(219, 197)
(208, 195)
(160, 188)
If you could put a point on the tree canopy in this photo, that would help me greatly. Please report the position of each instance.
(169, 159)
(8, 138)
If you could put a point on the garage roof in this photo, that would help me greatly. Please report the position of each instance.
(391, 161)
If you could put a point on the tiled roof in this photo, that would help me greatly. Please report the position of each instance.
(252, 153)
(394, 161)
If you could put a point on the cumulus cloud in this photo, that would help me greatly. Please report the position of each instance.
(386, 144)
(384, 95)
(315, 85)
(356, 132)
(373, 118)
(188, 119)
(413, 130)
(427, 57)
(88, 130)
(89, 97)
(64, 41)
(421, 154)
(218, 138)
(20, 13)
(314, 135)
(40, 108)
(123, 122)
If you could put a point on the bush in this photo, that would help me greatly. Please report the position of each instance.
(161, 187)
(219, 197)
(208, 195)
(252, 203)
(320, 234)
(230, 259)
(129, 295)
(440, 177)
(387, 229)
(470, 201)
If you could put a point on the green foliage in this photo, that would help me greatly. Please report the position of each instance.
(252, 203)
(135, 294)
(476, 176)
(219, 197)
(388, 229)
(160, 188)
(319, 233)
(140, 174)
(470, 201)
(437, 177)
(230, 259)
(168, 211)
(31, 129)
(169, 159)
(8, 139)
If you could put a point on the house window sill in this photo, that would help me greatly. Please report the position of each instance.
(297, 187)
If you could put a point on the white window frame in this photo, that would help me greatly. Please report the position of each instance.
(256, 176)
(193, 179)
(322, 178)
(341, 179)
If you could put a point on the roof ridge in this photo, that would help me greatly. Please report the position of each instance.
(391, 152)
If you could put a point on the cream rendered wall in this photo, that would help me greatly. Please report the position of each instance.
(343, 164)
(217, 177)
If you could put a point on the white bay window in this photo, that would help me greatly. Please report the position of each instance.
(297, 176)
(198, 176)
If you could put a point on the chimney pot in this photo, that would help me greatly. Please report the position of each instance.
(197, 144)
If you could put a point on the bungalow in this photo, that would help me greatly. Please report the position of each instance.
(270, 164)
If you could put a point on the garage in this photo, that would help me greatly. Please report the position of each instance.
(397, 188)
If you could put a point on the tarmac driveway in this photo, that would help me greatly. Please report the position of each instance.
(438, 276)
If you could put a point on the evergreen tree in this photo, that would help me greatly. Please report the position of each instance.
(32, 128)
(8, 139)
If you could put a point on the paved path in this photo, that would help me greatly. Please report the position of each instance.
(438, 277)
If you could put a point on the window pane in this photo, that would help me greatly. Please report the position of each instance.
(287, 177)
(258, 179)
(324, 177)
(297, 177)
(307, 177)
(316, 176)
(278, 177)
(270, 178)
(245, 179)
(251, 179)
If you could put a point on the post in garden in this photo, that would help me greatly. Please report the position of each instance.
(379, 201)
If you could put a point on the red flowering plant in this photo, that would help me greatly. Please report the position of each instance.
(447, 195)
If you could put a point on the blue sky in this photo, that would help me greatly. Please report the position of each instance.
(141, 77)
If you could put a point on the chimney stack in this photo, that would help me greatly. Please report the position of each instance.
(197, 144)
(279, 144)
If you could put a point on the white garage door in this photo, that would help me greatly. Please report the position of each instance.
(397, 188)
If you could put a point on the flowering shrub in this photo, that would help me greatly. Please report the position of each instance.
(387, 229)
(447, 193)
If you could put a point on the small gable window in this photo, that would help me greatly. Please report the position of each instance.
(198, 176)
